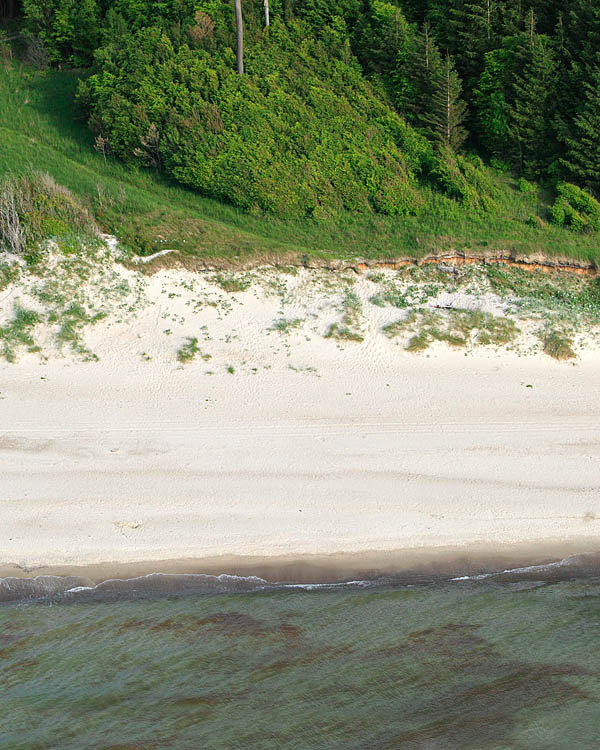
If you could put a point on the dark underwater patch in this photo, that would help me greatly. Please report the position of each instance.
(490, 689)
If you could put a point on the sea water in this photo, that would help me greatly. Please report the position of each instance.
(201, 662)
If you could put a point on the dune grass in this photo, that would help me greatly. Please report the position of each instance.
(42, 128)
(559, 345)
(17, 332)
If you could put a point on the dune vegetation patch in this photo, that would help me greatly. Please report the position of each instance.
(559, 345)
(34, 209)
(349, 327)
(189, 350)
(457, 328)
(285, 325)
(17, 333)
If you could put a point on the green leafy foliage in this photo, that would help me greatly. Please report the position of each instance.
(302, 134)
(575, 208)
(69, 29)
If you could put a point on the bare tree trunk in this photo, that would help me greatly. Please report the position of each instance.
(267, 13)
(239, 33)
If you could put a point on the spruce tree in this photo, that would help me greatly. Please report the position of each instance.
(421, 70)
(473, 34)
(533, 111)
(493, 112)
(447, 110)
(583, 155)
(384, 35)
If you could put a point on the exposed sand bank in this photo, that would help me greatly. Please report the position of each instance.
(306, 447)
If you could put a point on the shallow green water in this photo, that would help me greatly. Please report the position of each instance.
(469, 665)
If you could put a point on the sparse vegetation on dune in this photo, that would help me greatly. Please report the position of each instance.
(349, 327)
(285, 325)
(189, 350)
(559, 345)
(532, 311)
(17, 333)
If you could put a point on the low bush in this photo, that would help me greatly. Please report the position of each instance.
(463, 179)
(575, 208)
(524, 186)
(34, 208)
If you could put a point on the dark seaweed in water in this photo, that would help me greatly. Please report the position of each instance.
(487, 708)
(478, 665)
(230, 624)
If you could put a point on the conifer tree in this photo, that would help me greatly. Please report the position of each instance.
(447, 110)
(422, 69)
(473, 31)
(384, 36)
(533, 110)
(583, 155)
(493, 112)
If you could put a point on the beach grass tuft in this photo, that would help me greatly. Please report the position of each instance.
(559, 345)
(348, 329)
(189, 349)
(17, 333)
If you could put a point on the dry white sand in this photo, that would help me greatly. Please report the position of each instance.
(311, 446)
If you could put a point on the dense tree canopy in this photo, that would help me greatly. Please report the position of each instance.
(347, 104)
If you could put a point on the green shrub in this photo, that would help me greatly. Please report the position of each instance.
(68, 29)
(524, 186)
(34, 208)
(535, 221)
(303, 134)
(575, 208)
(463, 179)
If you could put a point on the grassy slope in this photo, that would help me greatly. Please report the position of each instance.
(40, 127)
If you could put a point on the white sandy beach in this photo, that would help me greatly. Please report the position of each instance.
(309, 447)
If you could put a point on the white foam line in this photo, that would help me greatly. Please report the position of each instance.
(526, 569)
(201, 576)
(310, 586)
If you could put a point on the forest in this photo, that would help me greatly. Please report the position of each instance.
(360, 106)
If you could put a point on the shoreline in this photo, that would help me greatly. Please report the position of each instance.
(410, 565)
